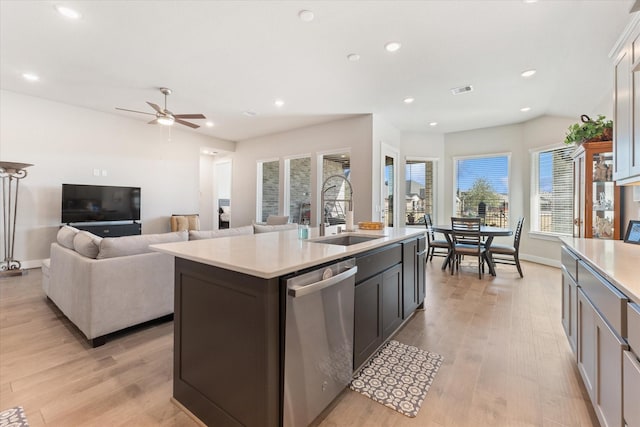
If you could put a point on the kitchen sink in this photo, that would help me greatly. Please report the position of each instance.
(345, 240)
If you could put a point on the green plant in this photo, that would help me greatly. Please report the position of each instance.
(589, 130)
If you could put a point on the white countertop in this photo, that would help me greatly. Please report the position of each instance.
(269, 255)
(617, 261)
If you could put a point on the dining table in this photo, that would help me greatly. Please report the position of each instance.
(487, 232)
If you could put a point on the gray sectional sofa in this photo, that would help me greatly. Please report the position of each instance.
(104, 285)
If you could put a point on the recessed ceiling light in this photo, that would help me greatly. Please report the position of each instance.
(530, 1)
(433, 124)
(306, 15)
(250, 113)
(353, 57)
(67, 12)
(210, 124)
(31, 77)
(278, 102)
(408, 100)
(461, 89)
(525, 109)
(392, 46)
(528, 73)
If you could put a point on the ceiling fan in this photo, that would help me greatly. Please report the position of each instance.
(166, 117)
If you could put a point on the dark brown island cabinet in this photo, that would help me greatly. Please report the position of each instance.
(230, 328)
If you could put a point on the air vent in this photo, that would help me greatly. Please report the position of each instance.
(461, 89)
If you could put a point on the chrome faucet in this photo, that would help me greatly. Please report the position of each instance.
(323, 216)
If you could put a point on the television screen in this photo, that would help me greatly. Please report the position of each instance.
(87, 203)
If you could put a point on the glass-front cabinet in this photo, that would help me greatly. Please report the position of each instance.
(596, 197)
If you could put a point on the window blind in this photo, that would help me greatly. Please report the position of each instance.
(482, 187)
(553, 207)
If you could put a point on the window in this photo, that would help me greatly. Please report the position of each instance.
(552, 191)
(482, 188)
(298, 189)
(336, 192)
(419, 190)
(268, 189)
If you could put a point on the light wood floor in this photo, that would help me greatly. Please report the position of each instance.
(506, 360)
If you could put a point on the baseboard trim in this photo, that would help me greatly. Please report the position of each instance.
(540, 260)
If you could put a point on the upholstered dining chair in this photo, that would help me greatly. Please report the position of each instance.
(505, 254)
(465, 234)
(434, 247)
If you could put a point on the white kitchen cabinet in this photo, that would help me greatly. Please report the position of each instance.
(626, 114)
(631, 389)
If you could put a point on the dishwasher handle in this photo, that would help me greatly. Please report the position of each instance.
(300, 291)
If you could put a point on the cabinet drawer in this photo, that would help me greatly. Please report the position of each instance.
(570, 262)
(633, 327)
(630, 389)
(374, 262)
(608, 300)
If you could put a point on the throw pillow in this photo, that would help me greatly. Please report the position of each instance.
(87, 244)
(66, 235)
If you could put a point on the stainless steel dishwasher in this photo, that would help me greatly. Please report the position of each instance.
(318, 361)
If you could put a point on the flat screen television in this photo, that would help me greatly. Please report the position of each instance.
(89, 203)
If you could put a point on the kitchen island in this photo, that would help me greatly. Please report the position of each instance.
(601, 318)
(230, 313)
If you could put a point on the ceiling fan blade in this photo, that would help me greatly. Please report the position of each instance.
(153, 122)
(191, 125)
(135, 111)
(189, 116)
(155, 107)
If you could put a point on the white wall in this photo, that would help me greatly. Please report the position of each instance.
(384, 134)
(206, 205)
(66, 144)
(517, 140)
(352, 133)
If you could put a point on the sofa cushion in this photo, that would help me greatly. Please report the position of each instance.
(111, 247)
(87, 244)
(258, 228)
(66, 235)
(212, 234)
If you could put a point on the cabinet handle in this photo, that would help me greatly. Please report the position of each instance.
(422, 252)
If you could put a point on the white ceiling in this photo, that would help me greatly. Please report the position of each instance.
(221, 58)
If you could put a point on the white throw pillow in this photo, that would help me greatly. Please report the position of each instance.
(87, 244)
(65, 236)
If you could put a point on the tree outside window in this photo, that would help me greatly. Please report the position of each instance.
(482, 189)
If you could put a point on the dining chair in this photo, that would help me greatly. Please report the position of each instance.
(465, 234)
(434, 247)
(505, 254)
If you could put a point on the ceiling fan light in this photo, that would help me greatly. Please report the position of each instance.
(166, 120)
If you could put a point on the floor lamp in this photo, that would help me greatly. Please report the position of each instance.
(11, 174)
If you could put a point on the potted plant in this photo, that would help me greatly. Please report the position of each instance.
(589, 130)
